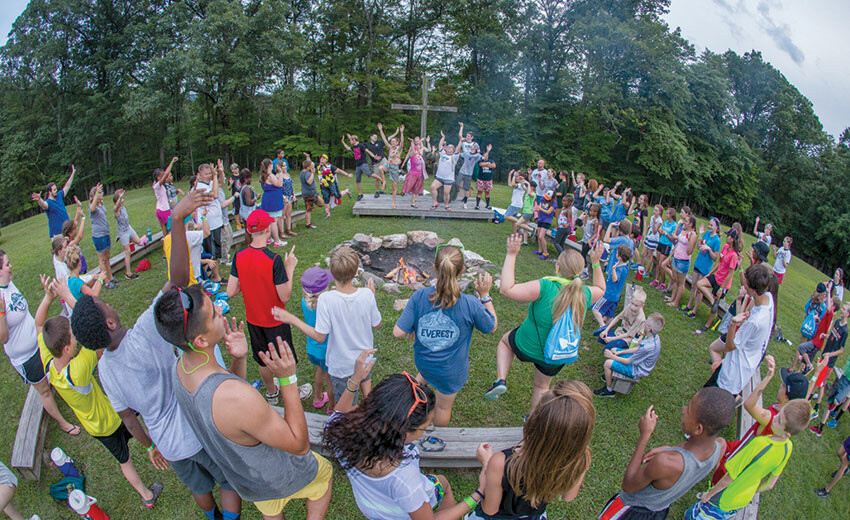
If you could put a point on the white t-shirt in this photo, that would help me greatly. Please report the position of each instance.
(396, 495)
(651, 234)
(23, 339)
(516, 196)
(348, 320)
(138, 375)
(839, 291)
(767, 239)
(213, 209)
(783, 258)
(466, 146)
(538, 175)
(446, 166)
(751, 340)
(195, 239)
(62, 275)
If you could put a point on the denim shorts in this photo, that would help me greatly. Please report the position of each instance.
(319, 362)
(512, 211)
(101, 244)
(681, 266)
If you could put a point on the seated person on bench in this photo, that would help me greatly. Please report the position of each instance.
(637, 362)
(631, 321)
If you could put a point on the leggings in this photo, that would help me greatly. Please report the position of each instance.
(561, 239)
(585, 248)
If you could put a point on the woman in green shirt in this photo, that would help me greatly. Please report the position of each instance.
(548, 298)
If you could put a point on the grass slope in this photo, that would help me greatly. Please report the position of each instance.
(681, 371)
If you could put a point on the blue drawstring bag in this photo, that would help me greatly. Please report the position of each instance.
(563, 341)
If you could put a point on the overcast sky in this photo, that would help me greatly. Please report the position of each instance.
(801, 39)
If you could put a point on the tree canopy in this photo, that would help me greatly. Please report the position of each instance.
(117, 87)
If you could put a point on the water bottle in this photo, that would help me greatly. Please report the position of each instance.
(64, 462)
(85, 506)
(150, 236)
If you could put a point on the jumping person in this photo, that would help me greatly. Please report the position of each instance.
(136, 372)
(163, 204)
(445, 176)
(331, 194)
(100, 234)
(442, 320)
(54, 206)
(362, 164)
(396, 148)
(484, 184)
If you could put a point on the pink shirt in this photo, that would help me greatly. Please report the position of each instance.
(681, 250)
(161, 197)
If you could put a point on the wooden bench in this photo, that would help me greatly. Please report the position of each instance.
(459, 451)
(622, 384)
(29, 439)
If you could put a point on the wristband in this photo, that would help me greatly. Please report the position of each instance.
(471, 502)
(3, 313)
(348, 386)
(486, 299)
(480, 495)
(597, 264)
(284, 381)
(151, 447)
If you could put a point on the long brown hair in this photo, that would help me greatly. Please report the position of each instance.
(449, 264)
(265, 170)
(554, 449)
(570, 265)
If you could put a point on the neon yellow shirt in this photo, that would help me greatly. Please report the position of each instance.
(758, 459)
(79, 388)
(166, 251)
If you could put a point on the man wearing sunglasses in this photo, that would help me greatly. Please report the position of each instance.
(266, 457)
(136, 372)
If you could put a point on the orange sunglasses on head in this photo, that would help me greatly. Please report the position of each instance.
(418, 394)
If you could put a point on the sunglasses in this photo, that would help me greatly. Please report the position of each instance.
(462, 250)
(187, 304)
(418, 394)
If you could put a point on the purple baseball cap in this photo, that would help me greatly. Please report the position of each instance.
(316, 279)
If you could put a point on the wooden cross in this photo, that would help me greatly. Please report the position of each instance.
(424, 107)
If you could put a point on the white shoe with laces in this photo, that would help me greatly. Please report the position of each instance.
(305, 391)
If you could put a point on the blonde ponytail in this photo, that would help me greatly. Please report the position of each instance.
(571, 295)
(449, 264)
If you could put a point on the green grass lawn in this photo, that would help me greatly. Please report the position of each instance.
(681, 371)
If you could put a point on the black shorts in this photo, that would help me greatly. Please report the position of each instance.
(712, 381)
(117, 443)
(544, 225)
(262, 336)
(546, 370)
(32, 371)
(698, 271)
(615, 508)
(199, 473)
(714, 285)
(212, 244)
(663, 249)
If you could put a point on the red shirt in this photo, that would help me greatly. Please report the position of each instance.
(823, 326)
(259, 270)
(728, 262)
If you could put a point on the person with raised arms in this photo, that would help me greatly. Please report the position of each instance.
(361, 164)
(136, 373)
(445, 176)
(54, 206)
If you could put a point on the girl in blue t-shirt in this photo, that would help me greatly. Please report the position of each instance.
(315, 281)
(288, 191)
(663, 249)
(77, 286)
(709, 251)
(440, 321)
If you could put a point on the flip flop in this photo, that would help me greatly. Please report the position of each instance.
(74, 431)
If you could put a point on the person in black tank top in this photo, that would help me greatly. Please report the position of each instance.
(556, 437)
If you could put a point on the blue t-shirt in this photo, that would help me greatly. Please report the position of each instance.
(441, 347)
(614, 289)
(704, 262)
(614, 244)
(272, 198)
(56, 213)
(75, 285)
(274, 164)
(670, 227)
(314, 348)
(605, 209)
(618, 213)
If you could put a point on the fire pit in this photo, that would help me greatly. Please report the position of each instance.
(401, 260)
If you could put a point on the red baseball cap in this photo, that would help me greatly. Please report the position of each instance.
(258, 220)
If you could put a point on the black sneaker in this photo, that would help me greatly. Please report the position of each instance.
(496, 389)
(604, 392)
(360, 197)
(377, 194)
(822, 492)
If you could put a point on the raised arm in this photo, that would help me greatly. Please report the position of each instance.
(460, 133)
(344, 144)
(180, 260)
(752, 405)
(44, 306)
(383, 136)
(67, 185)
(442, 141)
(167, 169)
(486, 155)
(524, 292)
(36, 196)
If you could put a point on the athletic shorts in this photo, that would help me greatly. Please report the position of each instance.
(275, 214)
(439, 492)
(544, 225)
(212, 243)
(681, 266)
(319, 362)
(362, 170)
(309, 201)
(162, 216)
(708, 511)
(605, 307)
(512, 211)
(116, 443)
(375, 165)
(32, 371)
(339, 384)
(712, 279)
(823, 375)
(125, 238)
(101, 244)
(465, 182)
(620, 368)
(615, 509)
(485, 186)
(527, 216)
(663, 249)
(7, 478)
(262, 336)
(546, 370)
(393, 171)
(807, 348)
(841, 390)
(846, 445)
(312, 491)
(779, 276)
(650, 244)
(444, 182)
(199, 473)
(697, 271)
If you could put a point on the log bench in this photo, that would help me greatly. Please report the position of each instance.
(29, 440)
(459, 451)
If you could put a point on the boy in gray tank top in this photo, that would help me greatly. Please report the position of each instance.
(653, 481)
(264, 455)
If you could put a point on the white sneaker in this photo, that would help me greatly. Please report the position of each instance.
(273, 398)
(34, 517)
(464, 205)
(305, 391)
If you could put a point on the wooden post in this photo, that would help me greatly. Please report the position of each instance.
(424, 108)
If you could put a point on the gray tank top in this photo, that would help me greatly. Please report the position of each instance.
(258, 472)
(693, 472)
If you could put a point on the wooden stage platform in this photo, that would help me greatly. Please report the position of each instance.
(382, 207)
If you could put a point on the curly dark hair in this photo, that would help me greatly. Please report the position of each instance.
(375, 431)
(88, 323)
(168, 315)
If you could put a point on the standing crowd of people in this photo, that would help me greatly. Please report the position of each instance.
(213, 428)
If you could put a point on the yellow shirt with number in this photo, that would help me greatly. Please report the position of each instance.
(79, 388)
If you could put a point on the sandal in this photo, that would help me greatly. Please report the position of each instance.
(435, 206)
(156, 489)
(318, 403)
(74, 431)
